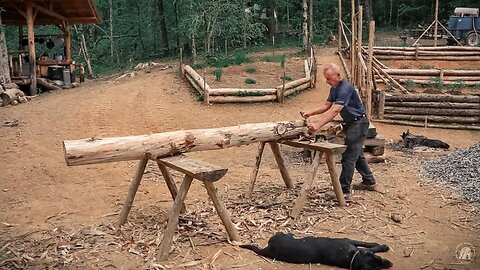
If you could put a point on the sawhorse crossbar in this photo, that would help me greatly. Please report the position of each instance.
(193, 169)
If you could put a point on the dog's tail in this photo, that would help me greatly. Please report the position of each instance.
(253, 248)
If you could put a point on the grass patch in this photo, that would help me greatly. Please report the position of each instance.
(286, 78)
(275, 58)
(458, 84)
(410, 85)
(218, 74)
(250, 81)
(248, 94)
(250, 70)
(436, 82)
(427, 67)
(240, 57)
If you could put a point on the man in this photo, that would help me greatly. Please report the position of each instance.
(344, 99)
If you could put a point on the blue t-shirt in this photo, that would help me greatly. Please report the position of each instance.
(344, 94)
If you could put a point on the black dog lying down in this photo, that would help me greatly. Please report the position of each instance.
(340, 252)
(410, 140)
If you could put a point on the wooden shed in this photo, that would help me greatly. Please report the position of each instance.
(62, 14)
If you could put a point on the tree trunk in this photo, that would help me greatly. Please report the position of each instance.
(271, 18)
(305, 25)
(163, 24)
(390, 17)
(368, 10)
(101, 150)
(4, 66)
(310, 30)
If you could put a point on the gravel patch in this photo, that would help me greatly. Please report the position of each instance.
(460, 170)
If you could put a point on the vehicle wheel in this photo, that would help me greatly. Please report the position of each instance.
(473, 39)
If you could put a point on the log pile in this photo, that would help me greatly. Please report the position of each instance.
(429, 76)
(431, 110)
(10, 94)
(446, 53)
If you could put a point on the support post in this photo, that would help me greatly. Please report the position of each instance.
(132, 191)
(335, 180)
(281, 164)
(370, 79)
(173, 219)
(300, 201)
(31, 49)
(436, 23)
(253, 178)
(170, 183)
(359, 77)
(222, 211)
(352, 44)
(339, 26)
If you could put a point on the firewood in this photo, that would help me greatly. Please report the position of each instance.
(10, 95)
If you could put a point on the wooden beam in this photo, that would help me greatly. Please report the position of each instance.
(253, 178)
(31, 48)
(49, 12)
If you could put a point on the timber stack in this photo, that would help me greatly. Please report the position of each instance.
(430, 110)
(432, 76)
(445, 53)
(10, 94)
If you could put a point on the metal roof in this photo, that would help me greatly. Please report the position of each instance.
(50, 12)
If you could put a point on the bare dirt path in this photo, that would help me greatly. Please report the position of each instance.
(45, 206)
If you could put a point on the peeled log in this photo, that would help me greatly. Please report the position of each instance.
(432, 72)
(434, 97)
(197, 78)
(240, 91)
(295, 83)
(244, 99)
(10, 95)
(451, 105)
(101, 150)
(432, 111)
(430, 118)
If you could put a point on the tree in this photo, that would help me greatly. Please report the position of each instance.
(4, 68)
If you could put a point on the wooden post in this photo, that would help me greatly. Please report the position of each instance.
(181, 61)
(335, 181)
(371, 41)
(206, 94)
(222, 211)
(31, 49)
(339, 25)
(170, 184)
(173, 219)
(416, 52)
(300, 201)
(436, 23)
(381, 105)
(359, 51)
(352, 44)
(281, 164)
(253, 178)
(132, 191)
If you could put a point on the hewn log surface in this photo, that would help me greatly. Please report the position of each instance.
(451, 105)
(433, 111)
(434, 118)
(240, 91)
(101, 150)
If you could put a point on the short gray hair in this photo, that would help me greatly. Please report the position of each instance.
(332, 67)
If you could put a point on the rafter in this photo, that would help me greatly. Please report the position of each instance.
(49, 12)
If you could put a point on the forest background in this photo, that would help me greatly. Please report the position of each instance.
(133, 31)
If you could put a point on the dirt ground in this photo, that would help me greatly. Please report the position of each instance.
(58, 217)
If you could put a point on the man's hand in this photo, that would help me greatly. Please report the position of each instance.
(312, 127)
(304, 114)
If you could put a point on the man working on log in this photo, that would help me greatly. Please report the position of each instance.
(344, 99)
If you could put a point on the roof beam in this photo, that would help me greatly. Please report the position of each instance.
(49, 12)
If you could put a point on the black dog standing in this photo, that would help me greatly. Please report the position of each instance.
(340, 252)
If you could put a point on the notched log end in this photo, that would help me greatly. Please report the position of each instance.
(281, 129)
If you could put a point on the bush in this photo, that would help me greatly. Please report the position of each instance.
(410, 85)
(218, 74)
(250, 81)
(286, 78)
(274, 58)
(458, 84)
(251, 70)
(436, 82)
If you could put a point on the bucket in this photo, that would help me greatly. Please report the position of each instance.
(55, 73)
(59, 57)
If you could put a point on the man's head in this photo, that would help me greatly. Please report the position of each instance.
(331, 72)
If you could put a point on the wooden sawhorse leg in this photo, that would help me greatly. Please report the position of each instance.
(173, 218)
(132, 191)
(335, 180)
(222, 211)
(253, 178)
(170, 183)
(300, 201)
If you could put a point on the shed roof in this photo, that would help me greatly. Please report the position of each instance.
(51, 12)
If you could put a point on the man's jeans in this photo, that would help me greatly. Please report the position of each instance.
(355, 134)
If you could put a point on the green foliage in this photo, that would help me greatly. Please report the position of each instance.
(250, 81)
(436, 82)
(390, 87)
(410, 85)
(275, 58)
(286, 78)
(238, 58)
(248, 93)
(250, 70)
(458, 84)
(477, 86)
(425, 66)
(218, 74)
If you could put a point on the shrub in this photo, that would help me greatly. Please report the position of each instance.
(251, 70)
(218, 74)
(458, 84)
(250, 81)
(410, 85)
(436, 82)
(286, 78)
(274, 58)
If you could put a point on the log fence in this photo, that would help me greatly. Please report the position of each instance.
(239, 95)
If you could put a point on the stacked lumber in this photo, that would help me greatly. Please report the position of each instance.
(432, 110)
(446, 53)
(425, 76)
(10, 94)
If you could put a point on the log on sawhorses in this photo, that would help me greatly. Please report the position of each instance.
(193, 169)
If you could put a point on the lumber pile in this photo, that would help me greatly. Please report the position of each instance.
(431, 110)
(430, 76)
(10, 94)
(445, 53)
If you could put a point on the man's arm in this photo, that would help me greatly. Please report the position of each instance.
(326, 118)
(318, 110)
